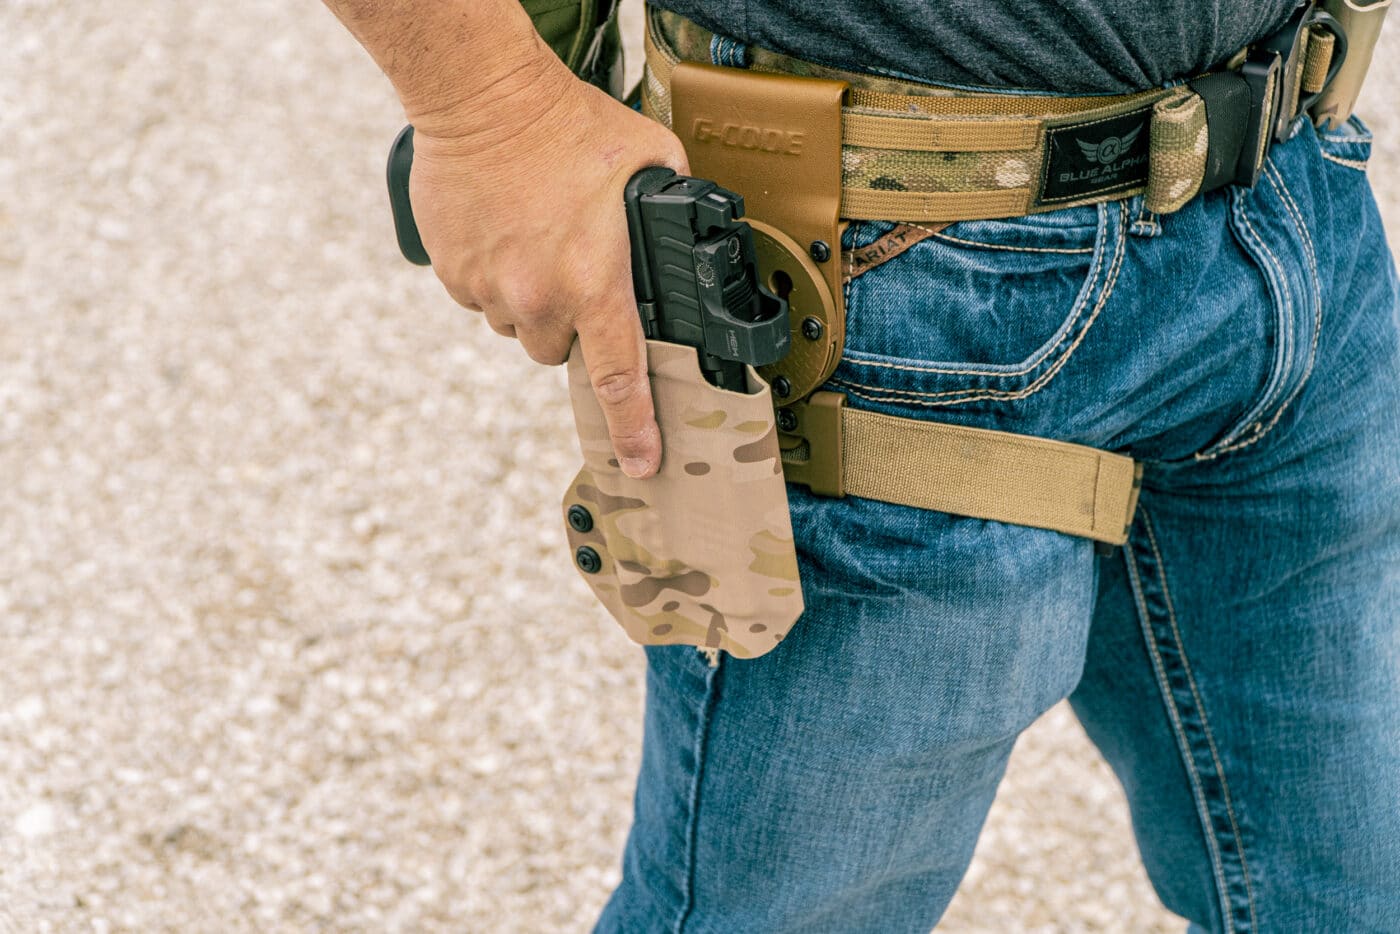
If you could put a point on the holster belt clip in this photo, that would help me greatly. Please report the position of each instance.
(809, 440)
(1251, 108)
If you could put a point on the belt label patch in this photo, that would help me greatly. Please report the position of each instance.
(1083, 159)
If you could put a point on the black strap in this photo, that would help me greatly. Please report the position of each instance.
(1227, 98)
(598, 59)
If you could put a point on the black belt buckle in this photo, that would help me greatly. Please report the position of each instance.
(1264, 73)
(1271, 71)
(1249, 110)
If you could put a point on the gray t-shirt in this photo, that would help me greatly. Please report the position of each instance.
(1081, 46)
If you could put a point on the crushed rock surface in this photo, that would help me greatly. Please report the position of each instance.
(291, 641)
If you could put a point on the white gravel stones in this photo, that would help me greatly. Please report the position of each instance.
(290, 636)
(37, 820)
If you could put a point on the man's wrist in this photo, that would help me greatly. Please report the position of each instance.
(454, 62)
(525, 80)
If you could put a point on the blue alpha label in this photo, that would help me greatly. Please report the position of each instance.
(1103, 156)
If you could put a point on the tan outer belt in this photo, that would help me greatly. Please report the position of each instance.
(941, 156)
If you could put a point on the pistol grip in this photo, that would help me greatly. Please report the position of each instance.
(405, 228)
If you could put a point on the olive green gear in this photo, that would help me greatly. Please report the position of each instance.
(584, 34)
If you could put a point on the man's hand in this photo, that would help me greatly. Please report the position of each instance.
(517, 190)
(524, 222)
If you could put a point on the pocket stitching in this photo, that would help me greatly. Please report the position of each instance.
(1036, 359)
(1277, 283)
(978, 395)
(1002, 246)
(1349, 163)
(1281, 189)
(1353, 138)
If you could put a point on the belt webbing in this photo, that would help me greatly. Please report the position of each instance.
(944, 156)
(976, 472)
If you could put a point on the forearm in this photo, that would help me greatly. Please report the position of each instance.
(517, 187)
(439, 54)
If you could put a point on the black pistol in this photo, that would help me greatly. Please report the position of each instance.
(693, 267)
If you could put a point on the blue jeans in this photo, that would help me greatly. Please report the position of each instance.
(1237, 663)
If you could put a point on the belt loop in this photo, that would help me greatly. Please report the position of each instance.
(1146, 224)
(727, 52)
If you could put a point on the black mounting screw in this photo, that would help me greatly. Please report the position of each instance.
(580, 519)
(811, 328)
(587, 560)
(787, 420)
(820, 251)
(781, 387)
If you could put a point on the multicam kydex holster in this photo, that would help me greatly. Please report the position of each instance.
(701, 554)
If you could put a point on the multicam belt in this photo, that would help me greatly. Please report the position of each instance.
(921, 153)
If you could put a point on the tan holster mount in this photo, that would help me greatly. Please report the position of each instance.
(776, 140)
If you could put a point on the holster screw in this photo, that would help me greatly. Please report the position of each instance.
(588, 560)
(781, 387)
(811, 328)
(580, 519)
(787, 420)
(820, 251)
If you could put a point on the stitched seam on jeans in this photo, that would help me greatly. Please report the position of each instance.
(1349, 163)
(1183, 744)
(1367, 137)
(1274, 273)
(1011, 249)
(702, 735)
(1275, 179)
(926, 398)
(1201, 710)
(1290, 205)
(1091, 280)
(846, 308)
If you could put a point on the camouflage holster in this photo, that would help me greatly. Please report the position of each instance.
(702, 553)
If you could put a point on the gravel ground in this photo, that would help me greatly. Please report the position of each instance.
(289, 643)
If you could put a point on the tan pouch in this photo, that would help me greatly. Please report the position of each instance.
(702, 553)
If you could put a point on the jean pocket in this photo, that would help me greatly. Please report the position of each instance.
(975, 311)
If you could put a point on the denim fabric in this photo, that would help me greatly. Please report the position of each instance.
(1238, 662)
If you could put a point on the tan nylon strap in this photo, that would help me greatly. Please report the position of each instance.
(986, 105)
(925, 134)
(1270, 113)
(1319, 59)
(986, 474)
(944, 205)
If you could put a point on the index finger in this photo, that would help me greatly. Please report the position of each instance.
(614, 353)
